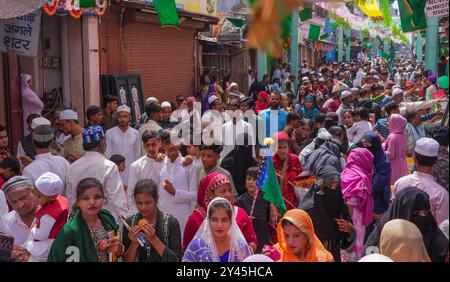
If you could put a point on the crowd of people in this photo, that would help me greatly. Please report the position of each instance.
(371, 140)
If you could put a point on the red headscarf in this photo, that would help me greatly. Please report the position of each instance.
(262, 106)
(210, 182)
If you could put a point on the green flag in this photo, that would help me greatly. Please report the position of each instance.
(237, 22)
(167, 12)
(314, 31)
(271, 189)
(324, 36)
(305, 14)
(88, 4)
(412, 15)
(391, 59)
(384, 55)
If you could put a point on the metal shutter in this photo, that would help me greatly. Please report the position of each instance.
(163, 56)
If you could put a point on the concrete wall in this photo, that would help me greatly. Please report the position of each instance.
(91, 62)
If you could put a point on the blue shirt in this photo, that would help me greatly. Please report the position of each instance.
(282, 115)
(224, 257)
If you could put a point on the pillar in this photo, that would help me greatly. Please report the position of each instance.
(431, 44)
(262, 64)
(340, 42)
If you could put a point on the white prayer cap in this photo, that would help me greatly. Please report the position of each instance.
(165, 104)
(305, 78)
(123, 108)
(321, 79)
(354, 89)
(233, 84)
(396, 91)
(427, 147)
(68, 115)
(324, 134)
(39, 121)
(345, 94)
(258, 258)
(396, 86)
(376, 77)
(151, 99)
(375, 258)
(212, 99)
(49, 184)
(373, 71)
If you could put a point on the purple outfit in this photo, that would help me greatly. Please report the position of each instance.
(395, 147)
(31, 103)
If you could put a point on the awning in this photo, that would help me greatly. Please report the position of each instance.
(16, 8)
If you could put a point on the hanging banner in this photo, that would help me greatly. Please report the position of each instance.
(207, 7)
(21, 34)
(436, 8)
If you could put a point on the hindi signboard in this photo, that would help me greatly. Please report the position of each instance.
(436, 8)
(21, 34)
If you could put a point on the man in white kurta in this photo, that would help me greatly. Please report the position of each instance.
(44, 160)
(147, 167)
(124, 140)
(178, 184)
(94, 164)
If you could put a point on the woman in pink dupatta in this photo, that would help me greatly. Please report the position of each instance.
(31, 103)
(356, 185)
(395, 147)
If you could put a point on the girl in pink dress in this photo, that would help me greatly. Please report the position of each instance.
(395, 147)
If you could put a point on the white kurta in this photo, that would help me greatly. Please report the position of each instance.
(95, 165)
(38, 244)
(13, 225)
(128, 144)
(231, 132)
(184, 181)
(46, 163)
(143, 168)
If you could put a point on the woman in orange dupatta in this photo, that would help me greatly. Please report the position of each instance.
(297, 240)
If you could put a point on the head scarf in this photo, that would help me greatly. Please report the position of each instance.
(24, 78)
(316, 251)
(238, 161)
(203, 247)
(397, 124)
(310, 113)
(382, 177)
(402, 242)
(324, 205)
(356, 181)
(208, 183)
(190, 99)
(262, 106)
(406, 202)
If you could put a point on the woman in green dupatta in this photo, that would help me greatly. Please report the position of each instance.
(159, 232)
(88, 237)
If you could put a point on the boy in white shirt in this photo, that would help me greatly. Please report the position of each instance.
(178, 183)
